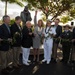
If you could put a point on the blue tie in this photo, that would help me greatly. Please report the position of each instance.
(8, 28)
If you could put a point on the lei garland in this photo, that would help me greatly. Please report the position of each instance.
(13, 39)
(51, 35)
(17, 34)
(63, 40)
(56, 39)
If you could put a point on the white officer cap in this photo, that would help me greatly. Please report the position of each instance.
(49, 20)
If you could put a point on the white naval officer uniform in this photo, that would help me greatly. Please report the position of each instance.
(48, 43)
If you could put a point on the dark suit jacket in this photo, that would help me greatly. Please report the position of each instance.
(4, 34)
(73, 35)
(14, 28)
(27, 41)
(66, 36)
(58, 33)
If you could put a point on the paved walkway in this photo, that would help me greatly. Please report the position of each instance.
(43, 69)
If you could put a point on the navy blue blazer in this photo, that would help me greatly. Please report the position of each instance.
(58, 33)
(73, 34)
(4, 34)
(14, 28)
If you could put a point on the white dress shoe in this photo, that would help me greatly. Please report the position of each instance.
(26, 63)
(43, 60)
(48, 62)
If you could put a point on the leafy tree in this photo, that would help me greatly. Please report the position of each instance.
(51, 7)
(65, 19)
(12, 21)
(71, 12)
(12, 1)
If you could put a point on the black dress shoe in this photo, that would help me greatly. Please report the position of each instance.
(62, 60)
(53, 60)
(19, 65)
(72, 61)
(9, 69)
(16, 67)
(5, 71)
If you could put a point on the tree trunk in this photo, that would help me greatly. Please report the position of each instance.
(6, 7)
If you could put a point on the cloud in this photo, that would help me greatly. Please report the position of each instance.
(2, 4)
(11, 8)
(13, 15)
(14, 10)
(0, 13)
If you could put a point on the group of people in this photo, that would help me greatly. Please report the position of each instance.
(11, 40)
(15, 38)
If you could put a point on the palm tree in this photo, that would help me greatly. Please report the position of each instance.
(12, 1)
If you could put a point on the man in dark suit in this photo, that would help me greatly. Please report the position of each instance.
(5, 35)
(73, 41)
(0, 49)
(66, 38)
(27, 42)
(58, 29)
(16, 36)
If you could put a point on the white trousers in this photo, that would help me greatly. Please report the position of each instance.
(25, 54)
(48, 44)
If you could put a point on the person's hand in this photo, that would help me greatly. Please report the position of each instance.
(59, 37)
(9, 39)
(51, 34)
(35, 34)
(73, 40)
(30, 33)
(0, 39)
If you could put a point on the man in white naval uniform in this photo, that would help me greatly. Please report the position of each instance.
(48, 34)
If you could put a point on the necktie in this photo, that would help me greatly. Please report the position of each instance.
(19, 27)
(8, 28)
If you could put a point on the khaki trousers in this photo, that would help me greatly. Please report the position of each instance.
(16, 54)
(4, 59)
(54, 51)
(10, 55)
